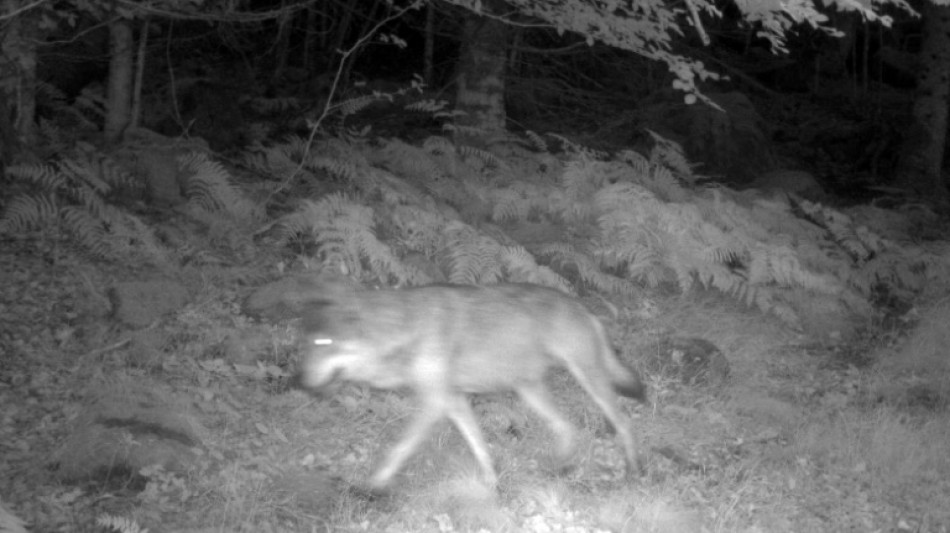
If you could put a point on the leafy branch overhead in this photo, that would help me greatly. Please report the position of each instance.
(648, 27)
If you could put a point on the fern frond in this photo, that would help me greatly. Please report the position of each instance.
(209, 186)
(27, 212)
(463, 130)
(341, 169)
(87, 229)
(521, 267)
(342, 231)
(567, 257)
(354, 105)
(780, 265)
(487, 158)
(418, 229)
(133, 236)
(101, 173)
(437, 144)
(472, 258)
(510, 204)
(427, 106)
(91, 199)
(537, 141)
(120, 524)
(634, 235)
(47, 177)
(73, 199)
(859, 243)
(669, 154)
(579, 150)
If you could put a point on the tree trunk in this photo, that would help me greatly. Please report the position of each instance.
(834, 55)
(8, 139)
(285, 29)
(481, 79)
(428, 54)
(119, 92)
(922, 151)
(136, 112)
(19, 63)
(310, 42)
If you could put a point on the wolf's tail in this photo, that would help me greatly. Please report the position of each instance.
(625, 380)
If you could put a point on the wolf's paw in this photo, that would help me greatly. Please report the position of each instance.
(565, 468)
(635, 469)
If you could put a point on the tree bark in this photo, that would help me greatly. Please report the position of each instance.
(136, 111)
(921, 161)
(18, 61)
(428, 54)
(121, 72)
(481, 79)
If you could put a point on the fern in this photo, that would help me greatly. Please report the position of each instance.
(510, 204)
(472, 258)
(417, 229)
(71, 198)
(579, 181)
(520, 266)
(578, 150)
(859, 243)
(120, 524)
(355, 105)
(569, 258)
(342, 232)
(537, 141)
(210, 187)
(26, 212)
(655, 242)
(463, 130)
(669, 154)
(436, 144)
(295, 159)
(487, 158)
(428, 106)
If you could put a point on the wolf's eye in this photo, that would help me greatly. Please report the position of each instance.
(322, 342)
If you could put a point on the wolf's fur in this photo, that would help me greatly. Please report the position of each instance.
(445, 341)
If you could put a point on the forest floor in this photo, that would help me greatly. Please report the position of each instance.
(799, 438)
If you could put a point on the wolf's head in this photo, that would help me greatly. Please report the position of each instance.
(328, 351)
(325, 359)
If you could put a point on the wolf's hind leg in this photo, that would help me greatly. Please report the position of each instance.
(537, 398)
(599, 388)
(460, 413)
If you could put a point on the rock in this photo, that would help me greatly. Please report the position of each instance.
(796, 182)
(692, 360)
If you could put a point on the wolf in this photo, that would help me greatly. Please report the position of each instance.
(445, 342)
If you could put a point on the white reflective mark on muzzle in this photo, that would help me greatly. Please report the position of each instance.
(319, 368)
